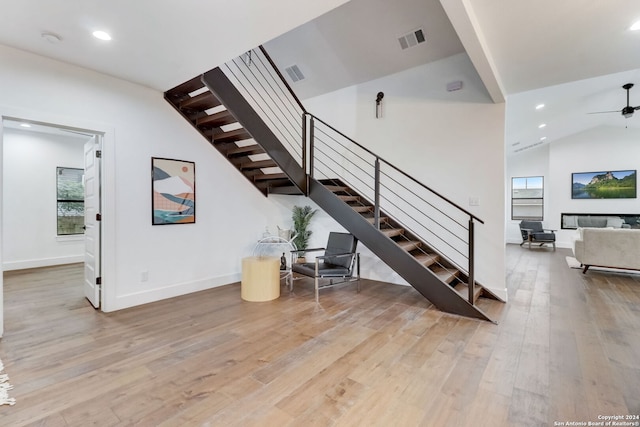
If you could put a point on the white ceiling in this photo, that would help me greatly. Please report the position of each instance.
(358, 42)
(572, 55)
(156, 43)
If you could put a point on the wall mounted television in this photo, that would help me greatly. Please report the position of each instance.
(604, 185)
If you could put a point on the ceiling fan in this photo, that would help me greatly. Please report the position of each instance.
(626, 111)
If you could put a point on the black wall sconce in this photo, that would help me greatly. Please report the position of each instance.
(379, 104)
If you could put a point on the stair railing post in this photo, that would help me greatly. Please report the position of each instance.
(304, 152)
(472, 282)
(376, 211)
(311, 145)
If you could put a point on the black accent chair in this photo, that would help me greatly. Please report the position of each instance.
(532, 232)
(340, 260)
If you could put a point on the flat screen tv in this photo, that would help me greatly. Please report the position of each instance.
(604, 185)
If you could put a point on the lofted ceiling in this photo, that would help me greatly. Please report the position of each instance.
(572, 55)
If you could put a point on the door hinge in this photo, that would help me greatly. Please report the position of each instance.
(98, 217)
(98, 280)
(99, 154)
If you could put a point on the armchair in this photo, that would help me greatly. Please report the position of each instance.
(340, 260)
(532, 232)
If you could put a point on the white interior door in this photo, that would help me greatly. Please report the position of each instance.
(92, 279)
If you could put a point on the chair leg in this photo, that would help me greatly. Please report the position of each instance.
(290, 281)
(358, 270)
(316, 282)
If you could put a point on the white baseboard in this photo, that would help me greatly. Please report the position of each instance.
(170, 291)
(44, 262)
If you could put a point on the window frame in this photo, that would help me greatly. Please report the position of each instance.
(59, 172)
(541, 198)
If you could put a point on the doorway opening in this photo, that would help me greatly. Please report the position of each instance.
(40, 199)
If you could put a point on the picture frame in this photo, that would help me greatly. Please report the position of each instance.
(173, 191)
(621, 184)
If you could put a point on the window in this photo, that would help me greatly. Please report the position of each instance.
(70, 196)
(526, 198)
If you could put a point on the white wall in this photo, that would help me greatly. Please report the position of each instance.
(598, 149)
(29, 209)
(453, 142)
(137, 124)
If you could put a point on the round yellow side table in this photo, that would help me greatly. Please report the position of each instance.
(260, 279)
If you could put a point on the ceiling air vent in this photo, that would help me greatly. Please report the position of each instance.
(294, 73)
(414, 38)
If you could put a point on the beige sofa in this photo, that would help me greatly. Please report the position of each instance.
(608, 247)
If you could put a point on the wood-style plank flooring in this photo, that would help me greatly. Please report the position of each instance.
(567, 348)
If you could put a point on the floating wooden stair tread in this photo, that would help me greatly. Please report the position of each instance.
(186, 87)
(231, 136)
(204, 101)
(285, 189)
(427, 259)
(463, 290)
(336, 188)
(267, 176)
(362, 209)
(258, 164)
(409, 245)
(217, 119)
(348, 198)
(246, 150)
(372, 219)
(444, 274)
(392, 232)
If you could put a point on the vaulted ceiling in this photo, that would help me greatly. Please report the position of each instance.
(572, 55)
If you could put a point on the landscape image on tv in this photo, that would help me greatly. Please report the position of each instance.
(604, 185)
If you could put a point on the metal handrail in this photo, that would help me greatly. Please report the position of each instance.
(397, 169)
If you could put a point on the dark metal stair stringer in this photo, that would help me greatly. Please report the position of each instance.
(218, 83)
(443, 296)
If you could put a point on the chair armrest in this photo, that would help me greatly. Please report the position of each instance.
(307, 250)
(336, 255)
(529, 231)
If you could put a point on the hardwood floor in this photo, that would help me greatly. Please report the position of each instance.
(567, 348)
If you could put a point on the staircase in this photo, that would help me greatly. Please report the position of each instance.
(247, 111)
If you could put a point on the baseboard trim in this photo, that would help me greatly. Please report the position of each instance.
(44, 262)
(170, 291)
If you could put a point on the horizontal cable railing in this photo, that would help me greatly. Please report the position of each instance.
(254, 75)
(327, 154)
(444, 227)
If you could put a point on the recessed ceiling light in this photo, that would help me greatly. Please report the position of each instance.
(542, 125)
(25, 125)
(539, 106)
(635, 26)
(102, 35)
(543, 138)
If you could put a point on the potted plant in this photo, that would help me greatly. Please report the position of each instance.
(301, 218)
